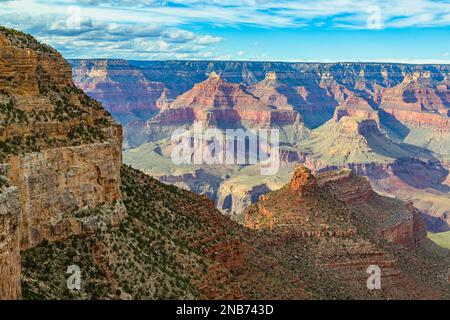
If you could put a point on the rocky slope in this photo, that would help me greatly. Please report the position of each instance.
(363, 227)
(60, 154)
(175, 244)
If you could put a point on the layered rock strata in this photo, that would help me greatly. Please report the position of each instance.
(60, 153)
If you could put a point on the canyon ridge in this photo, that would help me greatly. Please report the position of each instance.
(387, 122)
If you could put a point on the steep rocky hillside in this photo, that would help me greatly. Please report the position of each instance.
(60, 155)
(347, 227)
(174, 244)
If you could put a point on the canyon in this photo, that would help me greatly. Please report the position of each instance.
(60, 165)
(388, 122)
(67, 199)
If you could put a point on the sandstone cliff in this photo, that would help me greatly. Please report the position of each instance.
(9, 244)
(61, 153)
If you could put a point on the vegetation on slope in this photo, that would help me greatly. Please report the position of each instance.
(61, 114)
(174, 244)
(25, 40)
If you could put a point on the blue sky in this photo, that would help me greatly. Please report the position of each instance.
(411, 31)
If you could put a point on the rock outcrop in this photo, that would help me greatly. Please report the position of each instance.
(10, 288)
(389, 218)
(219, 103)
(60, 151)
(303, 182)
(343, 225)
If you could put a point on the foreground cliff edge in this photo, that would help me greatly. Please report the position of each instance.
(60, 155)
(66, 200)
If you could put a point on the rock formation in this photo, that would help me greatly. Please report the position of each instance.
(220, 103)
(305, 208)
(303, 182)
(61, 153)
(9, 244)
(349, 223)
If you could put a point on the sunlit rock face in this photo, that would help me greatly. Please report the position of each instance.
(60, 153)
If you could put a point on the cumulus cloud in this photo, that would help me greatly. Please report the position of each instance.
(85, 36)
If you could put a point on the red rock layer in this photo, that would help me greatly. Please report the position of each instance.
(421, 119)
(217, 101)
(123, 89)
(401, 224)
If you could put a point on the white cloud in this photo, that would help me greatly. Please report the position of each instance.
(149, 28)
(96, 38)
(265, 13)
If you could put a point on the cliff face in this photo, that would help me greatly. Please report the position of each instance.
(61, 152)
(219, 103)
(56, 184)
(126, 91)
(9, 244)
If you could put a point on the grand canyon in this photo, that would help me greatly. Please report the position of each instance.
(87, 179)
(387, 122)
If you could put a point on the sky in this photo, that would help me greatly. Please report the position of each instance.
(408, 31)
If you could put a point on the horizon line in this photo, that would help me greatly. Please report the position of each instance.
(268, 61)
